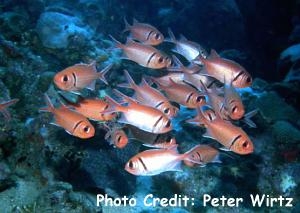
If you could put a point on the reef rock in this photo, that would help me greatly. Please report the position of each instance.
(55, 28)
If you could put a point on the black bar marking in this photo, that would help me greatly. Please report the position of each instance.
(189, 97)
(152, 55)
(77, 124)
(238, 75)
(160, 103)
(75, 79)
(234, 140)
(152, 31)
(140, 159)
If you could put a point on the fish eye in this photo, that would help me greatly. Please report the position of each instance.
(130, 164)
(157, 36)
(166, 111)
(245, 144)
(86, 129)
(234, 109)
(199, 98)
(160, 60)
(248, 79)
(168, 124)
(65, 78)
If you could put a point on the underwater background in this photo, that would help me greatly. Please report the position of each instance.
(45, 169)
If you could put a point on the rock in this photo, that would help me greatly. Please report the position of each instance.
(285, 133)
(54, 29)
(273, 108)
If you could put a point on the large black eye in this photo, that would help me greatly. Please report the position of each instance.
(245, 144)
(160, 60)
(168, 124)
(130, 164)
(86, 129)
(248, 79)
(234, 109)
(65, 78)
(199, 98)
(157, 36)
(166, 111)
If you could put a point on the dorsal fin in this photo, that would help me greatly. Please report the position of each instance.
(135, 21)
(214, 54)
(182, 38)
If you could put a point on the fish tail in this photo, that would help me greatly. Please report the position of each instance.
(123, 96)
(114, 106)
(127, 26)
(248, 116)
(101, 74)
(9, 103)
(49, 107)
(178, 65)
(171, 36)
(117, 43)
(130, 82)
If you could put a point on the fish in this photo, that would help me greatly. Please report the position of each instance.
(231, 137)
(183, 94)
(3, 108)
(144, 117)
(177, 77)
(203, 154)
(179, 67)
(93, 109)
(224, 70)
(80, 76)
(150, 96)
(188, 49)
(116, 136)
(158, 141)
(144, 55)
(144, 33)
(155, 161)
(233, 102)
(74, 123)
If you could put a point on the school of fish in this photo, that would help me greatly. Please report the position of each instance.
(207, 85)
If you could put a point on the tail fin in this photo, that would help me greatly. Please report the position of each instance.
(248, 116)
(127, 26)
(3, 107)
(178, 65)
(9, 103)
(102, 73)
(50, 107)
(117, 43)
(171, 38)
(124, 97)
(114, 106)
(130, 82)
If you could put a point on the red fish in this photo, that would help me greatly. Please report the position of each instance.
(203, 154)
(233, 102)
(224, 69)
(183, 94)
(155, 161)
(144, 55)
(74, 123)
(145, 33)
(3, 108)
(93, 109)
(116, 136)
(231, 137)
(147, 95)
(144, 117)
(80, 76)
